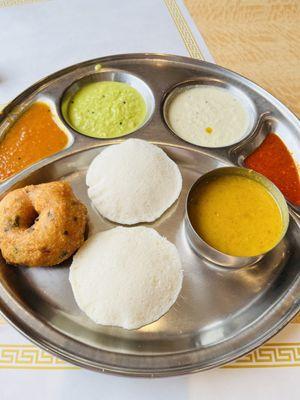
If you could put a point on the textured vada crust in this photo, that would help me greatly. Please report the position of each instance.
(133, 182)
(41, 225)
(126, 277)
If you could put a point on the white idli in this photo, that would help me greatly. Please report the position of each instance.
(126, 277)
(133, 182)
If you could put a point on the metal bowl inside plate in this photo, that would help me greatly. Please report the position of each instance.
(212, 254)
(113, 75)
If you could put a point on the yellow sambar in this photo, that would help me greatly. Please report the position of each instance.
(236, 215)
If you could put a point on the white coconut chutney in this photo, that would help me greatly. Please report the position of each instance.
(208, 116)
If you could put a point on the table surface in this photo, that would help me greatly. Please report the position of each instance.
(257, 38)
(261, 40)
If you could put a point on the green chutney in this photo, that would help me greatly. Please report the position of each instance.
(106, 109)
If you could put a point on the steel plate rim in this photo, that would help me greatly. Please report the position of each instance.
(171, 372)
(115, 57)
(26, 330)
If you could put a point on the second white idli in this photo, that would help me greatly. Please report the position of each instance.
(126, 277)
(133, 182)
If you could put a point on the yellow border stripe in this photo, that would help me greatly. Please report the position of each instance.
(27, 356)
(175, 12)
(9, 3)
(179, 20)
(184, 30)
(271, 355)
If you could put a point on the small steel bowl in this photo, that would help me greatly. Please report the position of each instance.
(204, 249)
(112, 75)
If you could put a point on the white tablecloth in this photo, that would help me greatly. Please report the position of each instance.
(37, 39)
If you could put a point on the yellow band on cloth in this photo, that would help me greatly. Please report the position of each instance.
(28, 356)
(9, 3)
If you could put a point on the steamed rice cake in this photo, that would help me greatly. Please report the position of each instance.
(133, 182)
(126, 277)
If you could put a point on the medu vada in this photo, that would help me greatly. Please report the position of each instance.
(41, 225)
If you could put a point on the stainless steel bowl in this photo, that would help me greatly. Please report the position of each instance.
(244, 100)
(114, 75)
(204, 249)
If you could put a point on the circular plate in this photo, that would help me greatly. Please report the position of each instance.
(220, 314)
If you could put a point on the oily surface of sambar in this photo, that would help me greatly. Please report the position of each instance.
(236, 215)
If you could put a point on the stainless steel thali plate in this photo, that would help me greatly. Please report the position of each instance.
(221, 313)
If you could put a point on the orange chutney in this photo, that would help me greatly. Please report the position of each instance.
(34, 136)
(273, 159)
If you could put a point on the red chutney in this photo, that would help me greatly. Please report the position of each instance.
(34, 136)
(273, 159)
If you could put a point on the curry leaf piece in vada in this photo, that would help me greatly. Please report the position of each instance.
(41, 225)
